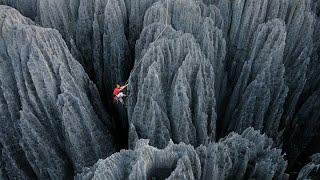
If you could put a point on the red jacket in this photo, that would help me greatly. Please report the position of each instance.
(116, 91)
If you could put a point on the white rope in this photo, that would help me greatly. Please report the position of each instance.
(136, 64)
(167, 14)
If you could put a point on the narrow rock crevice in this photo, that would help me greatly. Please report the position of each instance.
(218, 89)
(118, 113)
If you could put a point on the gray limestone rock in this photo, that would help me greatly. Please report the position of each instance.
(52, 118)
(173, 97)
(244, 156)
(304, 129)
(312, 169)
(200, 69)
(204, 23)
(94, 31)
(258, 97)
(268, 69)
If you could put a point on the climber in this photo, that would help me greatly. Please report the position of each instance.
(118, 94)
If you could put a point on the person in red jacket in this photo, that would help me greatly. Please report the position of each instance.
(118, 94)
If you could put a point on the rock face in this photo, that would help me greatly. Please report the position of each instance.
(93, 30)
(52, 119)
(200, 73)
(244, 156)
(311, 170)
(177, 74)
(259, 72)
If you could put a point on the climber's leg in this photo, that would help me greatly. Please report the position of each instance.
(120, 96)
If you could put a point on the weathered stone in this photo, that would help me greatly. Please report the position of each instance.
(244, 156)
(52, 119)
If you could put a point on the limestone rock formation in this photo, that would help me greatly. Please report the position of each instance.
(258, 97)
(176, 75)
(200, 73)
(52, 119)
(94, 32)
(261, 71)
(311, 170)
(244, 156)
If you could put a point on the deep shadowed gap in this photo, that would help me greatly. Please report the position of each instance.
(120, 119)
(303, 159)
(118, 113)
(160, 173)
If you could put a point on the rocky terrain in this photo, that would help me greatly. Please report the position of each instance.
(218, 89)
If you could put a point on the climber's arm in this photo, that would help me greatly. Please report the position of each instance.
(123, 87)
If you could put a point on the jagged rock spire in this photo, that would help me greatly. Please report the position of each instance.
(52, 119)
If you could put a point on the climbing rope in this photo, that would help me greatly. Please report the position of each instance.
(167, 14)
(136, 64)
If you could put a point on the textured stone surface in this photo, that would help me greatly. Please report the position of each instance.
(244, 156)
(176, 75)
(262, 71)
(203, 71)
(258, 97)
(52, 119)
(94, 31)
(312, 169)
